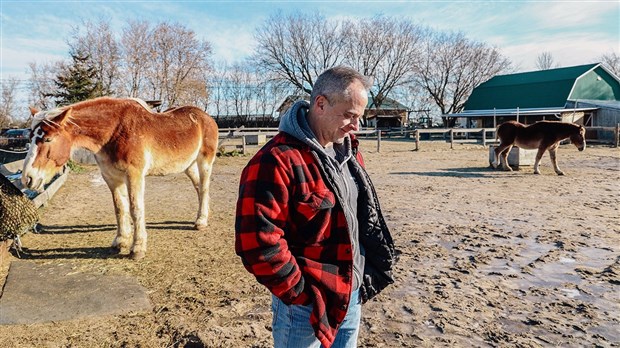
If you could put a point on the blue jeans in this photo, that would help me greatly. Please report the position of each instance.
(292, 329)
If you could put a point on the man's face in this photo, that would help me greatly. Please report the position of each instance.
(337, 118)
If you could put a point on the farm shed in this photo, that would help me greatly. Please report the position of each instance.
(391, 113)
(585, 94)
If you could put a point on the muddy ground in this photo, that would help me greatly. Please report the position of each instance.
(486, 258)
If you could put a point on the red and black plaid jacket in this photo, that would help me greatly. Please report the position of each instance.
(292, 235)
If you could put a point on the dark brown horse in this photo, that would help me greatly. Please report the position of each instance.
(129, 142)
(543, 135)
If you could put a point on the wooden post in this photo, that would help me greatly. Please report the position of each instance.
(484, 137)
(452, 138)
(417, 139)
(617, 135)
(243, 144)
(378, 140)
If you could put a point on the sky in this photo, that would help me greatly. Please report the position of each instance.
(574, 32)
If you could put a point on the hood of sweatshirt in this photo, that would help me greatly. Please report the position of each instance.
(295, 123)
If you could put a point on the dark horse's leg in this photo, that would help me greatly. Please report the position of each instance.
(541, 151)
(507, 134)
(505, 154)
(552, 153)
(503, 149)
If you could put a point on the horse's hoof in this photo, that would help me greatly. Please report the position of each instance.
(201, 224)
(120, 248)
(137, 255)
(560, 173)
(200, 227)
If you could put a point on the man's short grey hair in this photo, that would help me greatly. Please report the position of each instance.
(333, 83)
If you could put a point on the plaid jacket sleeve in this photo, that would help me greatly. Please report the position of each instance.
(262, 210)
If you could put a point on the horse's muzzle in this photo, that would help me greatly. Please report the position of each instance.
(35, 185)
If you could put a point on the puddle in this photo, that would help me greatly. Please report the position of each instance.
(566, 260)
(571, 293)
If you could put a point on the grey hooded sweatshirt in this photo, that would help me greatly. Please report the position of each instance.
(335, 163)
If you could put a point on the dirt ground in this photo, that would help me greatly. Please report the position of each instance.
(486, 258)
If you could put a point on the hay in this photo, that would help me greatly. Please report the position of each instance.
(18, 215)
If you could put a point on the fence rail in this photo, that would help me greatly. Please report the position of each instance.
(483, 136)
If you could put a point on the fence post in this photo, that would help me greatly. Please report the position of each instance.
(243, 143)
(378, 140)
(484, 137)
(417, 139)
(452, 138)
(617, 135)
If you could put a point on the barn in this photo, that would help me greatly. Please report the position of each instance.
(585, 94)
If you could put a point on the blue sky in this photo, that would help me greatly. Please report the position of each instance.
(575, 32)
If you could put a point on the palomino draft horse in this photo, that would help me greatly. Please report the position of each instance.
(129, 141)
(542, 135)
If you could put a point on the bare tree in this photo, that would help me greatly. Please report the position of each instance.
(8, 101)
(241, 91)
(612, 62)
(270, 94)
(97, 42)
(179, 61)
(385, 49)
(217, 82)
(298, 47)
(453, 66)
(134, 44)
(42, 86)
(545, 61)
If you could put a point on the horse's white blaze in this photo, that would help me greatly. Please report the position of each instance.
(28, 170)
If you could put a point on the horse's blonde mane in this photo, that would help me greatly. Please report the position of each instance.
(143, 103)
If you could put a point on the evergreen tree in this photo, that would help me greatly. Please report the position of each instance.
(77, 82)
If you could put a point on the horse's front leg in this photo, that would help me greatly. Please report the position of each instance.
(505, 154)
(539, 154)
(136, 206)
(118, 188)
(497, 152)
(554, 161)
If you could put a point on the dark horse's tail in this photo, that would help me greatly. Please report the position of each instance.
(497, 132)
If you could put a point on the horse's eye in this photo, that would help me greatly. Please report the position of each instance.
(47, 140)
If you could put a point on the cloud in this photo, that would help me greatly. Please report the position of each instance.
(565, 14)
(583, 49)
(16, 58)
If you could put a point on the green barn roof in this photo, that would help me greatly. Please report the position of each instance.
(545, 89)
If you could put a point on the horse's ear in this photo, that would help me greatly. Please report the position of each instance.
(33, 111)
(63, 117)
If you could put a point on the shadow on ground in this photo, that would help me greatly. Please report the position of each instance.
(468, 172)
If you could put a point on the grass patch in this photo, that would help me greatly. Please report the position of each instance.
(75, 167)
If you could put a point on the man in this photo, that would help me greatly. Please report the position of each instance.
(308, 225)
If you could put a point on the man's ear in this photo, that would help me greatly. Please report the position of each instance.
(320, 102)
